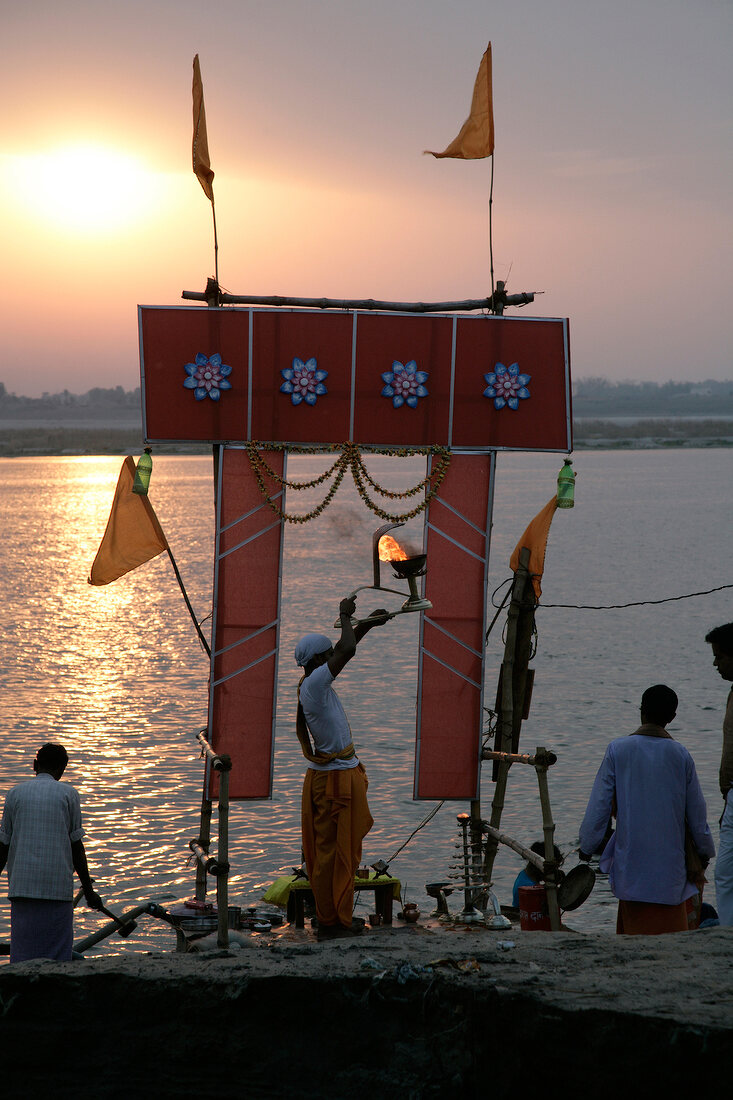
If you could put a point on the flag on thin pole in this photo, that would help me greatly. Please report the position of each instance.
(535, 540)
(133, 535)
(200, 148)
(476, 139)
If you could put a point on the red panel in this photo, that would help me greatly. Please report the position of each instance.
(453, 412)
(447, 755)
(450, 691)
(381, 340)
(246, 625)
(170, 338)
(278, 339)
(540, 421)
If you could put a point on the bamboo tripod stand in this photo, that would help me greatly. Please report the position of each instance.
(205, 864)
(515, 684)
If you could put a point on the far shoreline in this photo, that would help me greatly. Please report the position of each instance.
(62, 439)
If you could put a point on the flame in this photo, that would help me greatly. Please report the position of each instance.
(390, 549)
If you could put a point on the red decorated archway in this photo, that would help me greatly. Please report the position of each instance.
(284, 378)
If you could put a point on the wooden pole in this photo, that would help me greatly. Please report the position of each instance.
(506, 714)
(222, 881)
(548, 826)
(204, 843)
(223, 765)
(524, 298)
(526, 853)
(491, 237)
(216, 246)
(547, 758)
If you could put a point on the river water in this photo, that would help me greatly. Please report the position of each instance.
(118, 676)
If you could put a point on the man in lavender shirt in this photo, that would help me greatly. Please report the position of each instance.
(648, 782)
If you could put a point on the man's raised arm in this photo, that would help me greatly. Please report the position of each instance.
(351, 635)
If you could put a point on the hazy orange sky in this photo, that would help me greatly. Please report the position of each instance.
(612, 182)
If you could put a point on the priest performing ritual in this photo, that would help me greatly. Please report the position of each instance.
(335, 815)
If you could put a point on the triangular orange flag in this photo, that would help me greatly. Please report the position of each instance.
(476, 139)
(535, 540)
(133, 535)
(200, 148)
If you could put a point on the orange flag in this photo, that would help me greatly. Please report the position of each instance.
(201, 163)
(476, 139)
(133, 535)
(535, 540)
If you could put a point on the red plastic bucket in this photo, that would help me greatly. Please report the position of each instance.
(534, 915)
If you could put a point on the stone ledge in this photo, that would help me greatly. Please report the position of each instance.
(419, 1011)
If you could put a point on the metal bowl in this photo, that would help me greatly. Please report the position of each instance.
(575, 888)
(408, 567)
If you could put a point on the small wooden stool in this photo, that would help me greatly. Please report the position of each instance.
(384, 889)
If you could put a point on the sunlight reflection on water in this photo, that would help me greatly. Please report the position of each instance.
(117, 673)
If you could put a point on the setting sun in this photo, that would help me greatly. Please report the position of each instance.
(84, 188)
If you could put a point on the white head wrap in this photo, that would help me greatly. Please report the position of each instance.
(309, 646)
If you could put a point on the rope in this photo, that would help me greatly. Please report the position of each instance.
(422, 825)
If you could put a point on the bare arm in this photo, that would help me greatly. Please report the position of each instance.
(79, 859)
(345, 647)
(378, 617)
(4, 849)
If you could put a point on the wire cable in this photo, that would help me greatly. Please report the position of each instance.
(636, 603)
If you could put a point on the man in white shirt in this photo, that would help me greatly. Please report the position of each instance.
(335, 812)
(41, 842)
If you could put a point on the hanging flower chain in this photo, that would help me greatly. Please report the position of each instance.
(350, 458)
(257, 460)
(439, 471)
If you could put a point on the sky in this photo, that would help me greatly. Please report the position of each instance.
(612, 170)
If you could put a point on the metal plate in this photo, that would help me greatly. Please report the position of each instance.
(575, 888)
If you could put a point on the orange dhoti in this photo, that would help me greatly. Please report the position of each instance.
(335, 820)
(641, 918)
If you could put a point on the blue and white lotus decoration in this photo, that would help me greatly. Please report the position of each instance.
(507, 386)
(405, 384)
(304, 381)
(207, 377)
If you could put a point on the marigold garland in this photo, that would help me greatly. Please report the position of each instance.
(350, 458)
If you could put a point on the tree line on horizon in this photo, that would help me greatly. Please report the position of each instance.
(593, 396)
(97, 397)
(599, 397)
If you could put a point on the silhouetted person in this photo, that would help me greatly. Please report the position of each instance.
(531, 874)
(40, 840)
(653, 781)
(335, 812)
(721, 639)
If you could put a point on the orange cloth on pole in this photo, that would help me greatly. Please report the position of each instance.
(535, 540)
(476, 138)
(335, 820)
(642, 918)
(133, 534)
(200, 148)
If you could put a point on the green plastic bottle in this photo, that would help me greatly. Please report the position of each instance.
(143, 470)
(566, 486)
